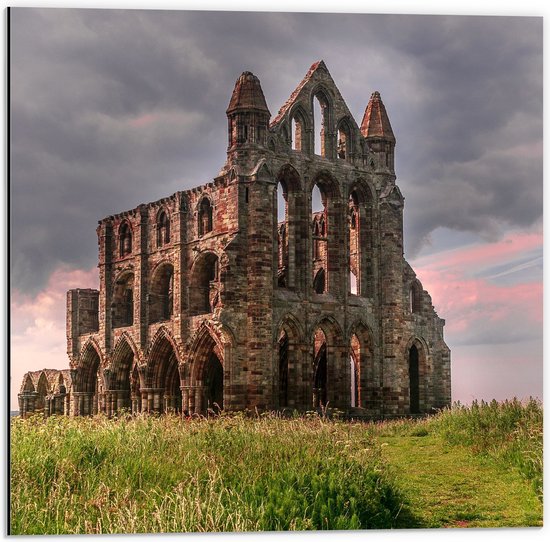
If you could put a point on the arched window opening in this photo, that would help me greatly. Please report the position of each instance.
(283, 369)
(282, 235)
(163, 229)
(319, 282)
(354, 260)
(320, 117)
(316, 242)
(320, 369)
(355, 371)
(204, 288)
(125, 239)
(353, 282)
(284, 135)
(319, 239)
(344, 141)
(414, 380)
(205, 217)
(213, 380)
(415, 297)
(296, 126)
(162, 294)
(122, 306)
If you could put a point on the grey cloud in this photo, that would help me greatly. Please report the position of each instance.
(80, 77)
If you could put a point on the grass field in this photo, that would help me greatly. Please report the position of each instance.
(465, 467)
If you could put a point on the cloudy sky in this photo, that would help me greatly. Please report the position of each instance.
(113, 108)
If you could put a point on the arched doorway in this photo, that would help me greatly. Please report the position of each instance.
(283, 369)
(204, 377)
(320, 369)
(355, 372)
(414, 380)
(85, 396)
(116, 397)
(164, 391)
(213, 383)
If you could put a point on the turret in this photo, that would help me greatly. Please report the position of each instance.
(247, 114)
(376, 128)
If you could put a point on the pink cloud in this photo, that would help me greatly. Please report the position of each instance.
(494, 330)
(483, 255)
(144, 120)
(38, 325)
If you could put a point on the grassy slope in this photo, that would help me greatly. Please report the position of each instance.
(446, 486)
(479, 467)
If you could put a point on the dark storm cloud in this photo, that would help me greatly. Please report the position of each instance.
(113, 108)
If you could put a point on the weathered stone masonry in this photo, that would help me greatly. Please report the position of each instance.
(239, 294)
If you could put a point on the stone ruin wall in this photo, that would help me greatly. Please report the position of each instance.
(207, 298)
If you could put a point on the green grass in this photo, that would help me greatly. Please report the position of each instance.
(234, 473)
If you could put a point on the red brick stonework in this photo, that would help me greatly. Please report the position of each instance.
(215, 298)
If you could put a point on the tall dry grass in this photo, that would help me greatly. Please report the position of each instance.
(146, 475)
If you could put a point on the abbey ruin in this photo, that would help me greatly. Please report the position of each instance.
(280, 284)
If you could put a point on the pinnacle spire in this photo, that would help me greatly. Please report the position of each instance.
(375, 120)
(248, 94)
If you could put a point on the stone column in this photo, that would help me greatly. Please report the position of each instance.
(184, 399)
(76, 403)
(157, 399)
(191, 400)
(120, 401)
(199, 399)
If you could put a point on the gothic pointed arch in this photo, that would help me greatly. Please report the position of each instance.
(326, 247)
(262, 170)
(161, 292)
(364, 374)
(415, 297)
(162, 374)
(417, 362)
(322, 113)
(362, 256)
(42, 390)
(345, 144)
(205, 214)
(125, 238)
(27, 385)
(125, 355)
(329, 365)
(163, 227)
(204, 284)
(301, 129)
(289, 217)
(122, 304)
(209, 367)
(289, 363)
